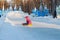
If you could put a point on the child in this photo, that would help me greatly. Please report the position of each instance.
(28, 21)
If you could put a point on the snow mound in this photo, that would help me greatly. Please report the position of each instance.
(14, 17)
(14, 14)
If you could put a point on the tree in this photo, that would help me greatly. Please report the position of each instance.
(3, 2)
(53, 8)
(27, 6)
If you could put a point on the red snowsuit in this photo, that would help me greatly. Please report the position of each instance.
(28, 21)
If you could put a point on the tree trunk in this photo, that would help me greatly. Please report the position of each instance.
(53, 8)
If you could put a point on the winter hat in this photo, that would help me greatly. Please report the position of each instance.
(26, 16)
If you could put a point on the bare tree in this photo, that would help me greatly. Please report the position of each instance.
(53, 8)
(27, 6)
(3, 2)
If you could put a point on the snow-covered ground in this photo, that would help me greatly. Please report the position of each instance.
(43, 28)
(17, 18)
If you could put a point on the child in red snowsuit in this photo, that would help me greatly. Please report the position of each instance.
(28, 21)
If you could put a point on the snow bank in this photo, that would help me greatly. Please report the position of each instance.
(14, 14)
(14, 17)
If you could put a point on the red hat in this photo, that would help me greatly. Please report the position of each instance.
(26, 16)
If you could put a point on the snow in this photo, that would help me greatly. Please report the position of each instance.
(43, 28)
(16, 18)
